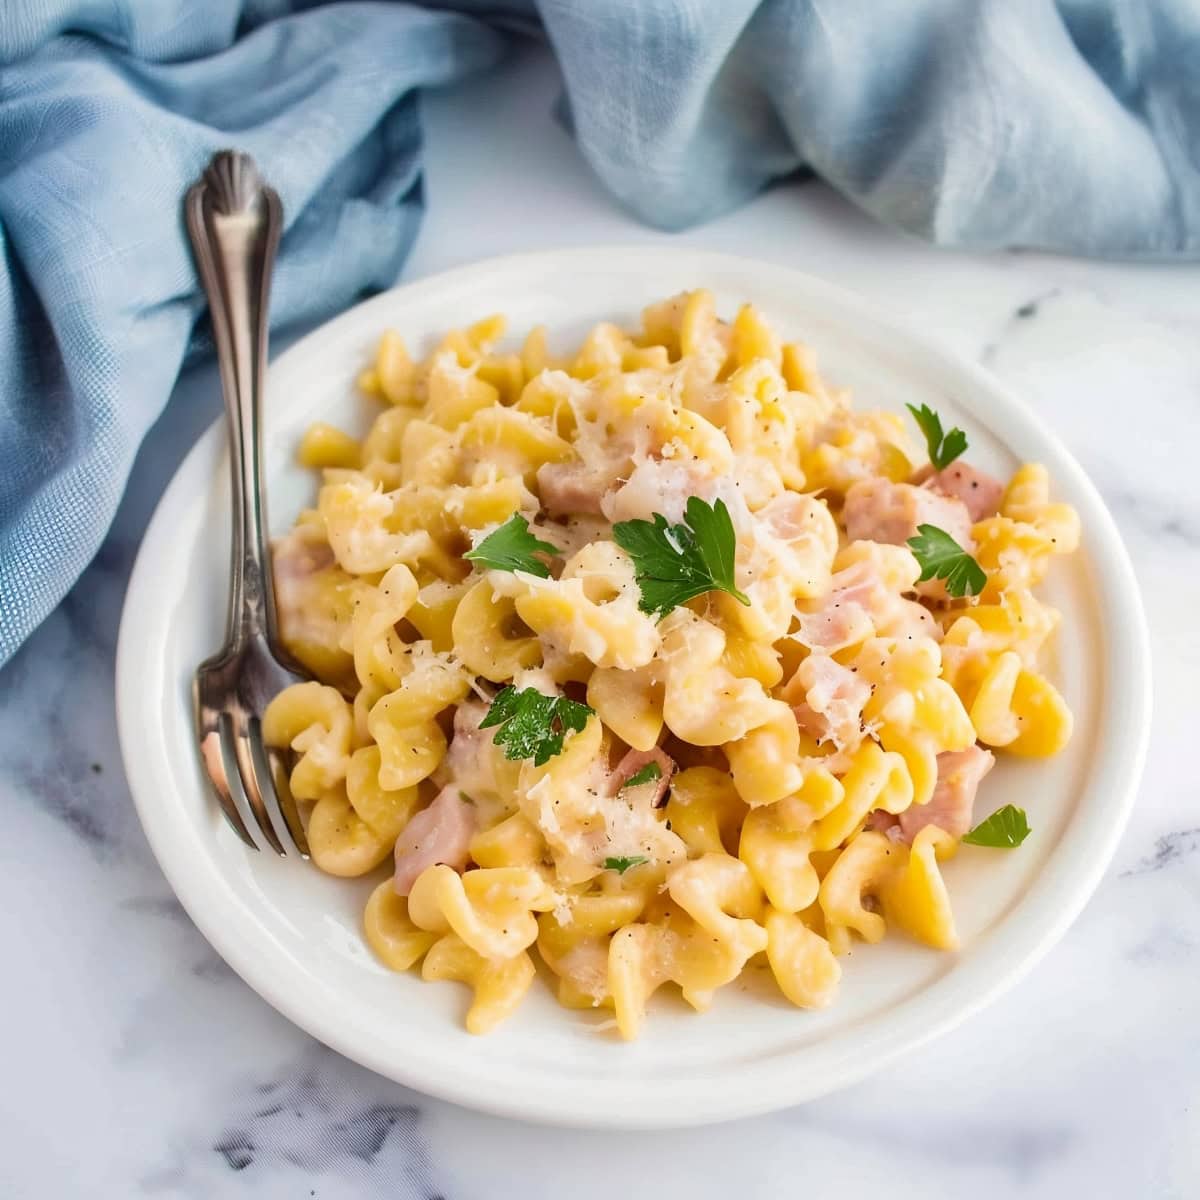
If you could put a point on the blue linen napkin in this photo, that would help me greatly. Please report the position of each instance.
(1072, 125)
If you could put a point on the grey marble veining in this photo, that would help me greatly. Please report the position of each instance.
(1027, 310)
(1168, 850)
(137, 1064)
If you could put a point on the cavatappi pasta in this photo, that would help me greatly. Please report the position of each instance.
(765, 770)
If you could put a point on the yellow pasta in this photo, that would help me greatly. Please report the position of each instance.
(644, 792)
(574, 942)
(403, 722)
(590, 610)
(325, 446)
(315, 721)
(490, 909)
(340, 841)
(801, 960)
(497, 985)
(484, 632)
(391, 932)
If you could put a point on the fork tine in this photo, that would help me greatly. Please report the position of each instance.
(214, 769)
(252, 787)
(270, 766)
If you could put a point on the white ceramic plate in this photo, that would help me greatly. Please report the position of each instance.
(294, 934)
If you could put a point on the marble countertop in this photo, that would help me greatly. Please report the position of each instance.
(136, 1064)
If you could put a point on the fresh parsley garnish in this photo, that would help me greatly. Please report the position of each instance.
(533, 725)
(511, 547)
(943, 448)
(676, 563)
(622, 863)
(941, 557)
(1004, 829)
(648, 774)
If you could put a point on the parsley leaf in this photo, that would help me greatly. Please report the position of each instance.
(648, 774)
(533, 725)
(511, 547)
(941, 557)
(622, 863)
(943, 448)
(676, 563)
(1004, 829)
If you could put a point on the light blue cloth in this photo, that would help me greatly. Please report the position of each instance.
(1073, 125)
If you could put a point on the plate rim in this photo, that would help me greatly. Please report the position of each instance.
(1126, 662)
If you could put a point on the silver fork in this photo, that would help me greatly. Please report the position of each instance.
(234, 221)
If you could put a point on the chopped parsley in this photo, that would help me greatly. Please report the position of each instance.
(648, 774)
(511, 547)
(943, 448)
(941, 557)
(1006, 828)
(676, 563)
(622, 863)
(533, 725)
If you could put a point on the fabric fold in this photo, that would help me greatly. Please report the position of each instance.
(1071, 125)
(98, 296)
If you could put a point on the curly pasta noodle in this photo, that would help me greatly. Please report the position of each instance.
(760, 782)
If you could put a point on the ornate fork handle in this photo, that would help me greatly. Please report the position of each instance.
(234, 220)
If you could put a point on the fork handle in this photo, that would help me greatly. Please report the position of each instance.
(234, 221)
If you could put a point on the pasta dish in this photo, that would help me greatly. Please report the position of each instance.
(655, 661)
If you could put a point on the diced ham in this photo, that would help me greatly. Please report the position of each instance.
(843, 617)
(859, 605)
(571, 535)
(837, 623)
(792, 517)
(792, 539)
(586, 819)
(567, 488)
(440, 833)
(978, 490)
(660, 486)
(295, 559)
(959, 775)
(878, 510)
(633, 762)
(828, 700)
(463, 749)
(885, 823)
(300, 553)
(469, 762)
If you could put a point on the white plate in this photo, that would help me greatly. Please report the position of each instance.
(294, 934)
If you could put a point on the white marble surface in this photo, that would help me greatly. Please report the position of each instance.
(135, 1063)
